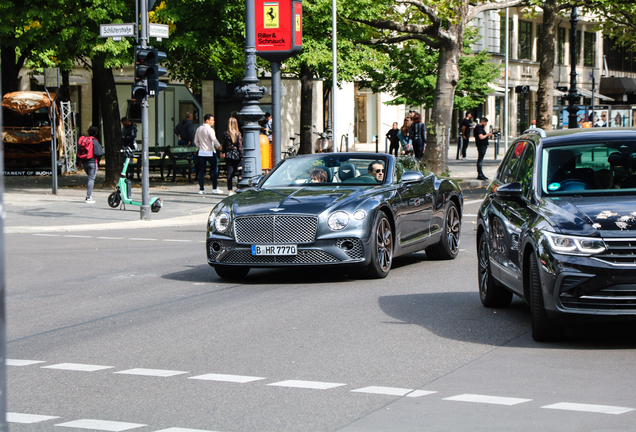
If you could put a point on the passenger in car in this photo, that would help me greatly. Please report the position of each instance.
(318, 176)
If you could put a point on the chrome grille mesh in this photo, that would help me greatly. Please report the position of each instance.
(303, 257)
(212, 254)
(274, 229)
(355, 252)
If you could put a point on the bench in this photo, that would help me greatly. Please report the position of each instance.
(179, 159)
(156, 155)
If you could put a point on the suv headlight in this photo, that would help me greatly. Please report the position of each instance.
(339, 220)
(570, 245)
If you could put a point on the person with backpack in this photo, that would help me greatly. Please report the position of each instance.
(89, 152)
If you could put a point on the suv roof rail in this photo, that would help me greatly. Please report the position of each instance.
(538, 131)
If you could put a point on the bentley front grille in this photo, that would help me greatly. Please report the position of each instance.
(303, 257)
(275, 229)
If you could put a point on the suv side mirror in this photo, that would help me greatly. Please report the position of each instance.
(411, 177)
(510, 191)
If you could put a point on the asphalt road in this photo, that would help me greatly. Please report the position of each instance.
(132, 330)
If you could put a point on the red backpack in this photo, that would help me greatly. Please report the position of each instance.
(85, 147)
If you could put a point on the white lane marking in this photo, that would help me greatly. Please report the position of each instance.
(496, 400)
(171, 240)
(601, 409)
(47, 235)
(139, 238)
(151, 372)
(469, 215)
(15, 362)
(473, 201)
(418, 393)
(316, 385)
(77, 367)
(111, 238)
(101, 425)
(389, 391)
(177, 429)
(227, 378)
(27, 418)
(77, 236)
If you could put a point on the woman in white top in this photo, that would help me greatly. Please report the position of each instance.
(205, 140)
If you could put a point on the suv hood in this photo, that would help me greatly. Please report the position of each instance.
(593, 214)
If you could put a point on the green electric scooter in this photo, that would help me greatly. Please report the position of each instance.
(121, 196)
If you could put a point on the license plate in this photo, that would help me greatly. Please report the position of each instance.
(274, 250)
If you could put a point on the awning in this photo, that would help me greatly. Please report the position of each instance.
(617, 85)
(497, 88)
(588, 93)
(72, 80)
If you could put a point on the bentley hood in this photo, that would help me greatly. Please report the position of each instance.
(308, 200)
(614, 215)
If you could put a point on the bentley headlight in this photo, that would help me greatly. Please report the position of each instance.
(570, 245)
(337, 221)
(222, 222)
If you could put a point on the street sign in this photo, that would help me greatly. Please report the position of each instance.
(278, 25)
(160, 31)
(52, 77)
(116, 31)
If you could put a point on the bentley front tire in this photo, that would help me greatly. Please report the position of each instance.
(382, 248)
(231, 272)
(491, 294)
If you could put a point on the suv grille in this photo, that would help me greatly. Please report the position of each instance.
(617, 297)
(274, 229)
(619, 252)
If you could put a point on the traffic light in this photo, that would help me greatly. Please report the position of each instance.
(154, 85)
(143, 69)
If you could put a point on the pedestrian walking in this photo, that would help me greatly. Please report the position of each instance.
(206, 142)
(233, 150)
(417, 135)
(481, 141)
(467, 124)
(89, 152)
(403, 136)
(392, 135)
(129, 133)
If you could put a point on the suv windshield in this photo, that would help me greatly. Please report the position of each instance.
(589, 169)
(329, 170)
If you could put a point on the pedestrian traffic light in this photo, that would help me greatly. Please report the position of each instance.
(154, 85)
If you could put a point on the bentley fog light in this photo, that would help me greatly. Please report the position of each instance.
(570, 245)
(337, 221)
(359, 214)
(222, 222)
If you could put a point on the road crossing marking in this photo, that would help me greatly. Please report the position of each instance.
(227, 378)
(139, 238)
(27, 418)
(47, 235)
(600, 409)
(101, 425)
(77, 236)
(496, 400)
(77, 367)
(389, 391)
(418, 393)
(15, 362)
(317, 385)
(151, 372)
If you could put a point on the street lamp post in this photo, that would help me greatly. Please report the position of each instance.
(251, 93)
(574, 97)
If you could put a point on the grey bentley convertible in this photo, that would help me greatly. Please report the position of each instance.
(333, 209)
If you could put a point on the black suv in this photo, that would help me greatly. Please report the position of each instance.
(558, 227)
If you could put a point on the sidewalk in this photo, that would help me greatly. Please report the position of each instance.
(30, 206)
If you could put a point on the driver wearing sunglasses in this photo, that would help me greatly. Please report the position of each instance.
(376, 170)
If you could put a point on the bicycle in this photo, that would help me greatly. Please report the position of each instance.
(292, 150)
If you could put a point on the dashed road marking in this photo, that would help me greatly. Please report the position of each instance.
(600, 409)
(139, 238)
(317, 385)
(77, 236)
(111, 238)
(151, 372)
(389, 391)
(227, 378)
(47, 235)
(496, 400)
(101, 425)
(27, 418)
(77, 367)
(177, 429)
(16, 362)
(419, 393)
(171, 240)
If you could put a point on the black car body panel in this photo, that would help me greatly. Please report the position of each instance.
(578, 226)
(274, 213)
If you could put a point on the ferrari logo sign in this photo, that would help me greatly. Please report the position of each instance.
(297, 23)
(270, 15)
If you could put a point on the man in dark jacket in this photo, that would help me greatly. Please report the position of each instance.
(185, 131)
(129, 133)
(481, 141)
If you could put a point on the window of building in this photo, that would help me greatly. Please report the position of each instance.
(589, 50)
(524, 45)
(561, 46)
(618, 57)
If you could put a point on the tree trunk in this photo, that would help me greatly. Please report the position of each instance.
(110, 120)
(547, 39)
(11, 66)
(438, 129)
(306, 107)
